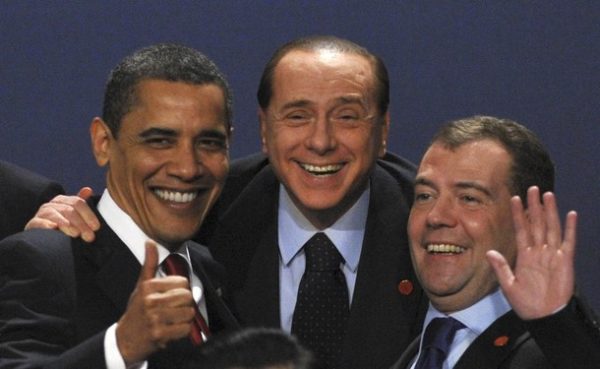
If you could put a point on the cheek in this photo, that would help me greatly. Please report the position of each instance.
(416, 221)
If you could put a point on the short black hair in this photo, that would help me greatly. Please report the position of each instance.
(252, 348)
(531, 163)
(169, 62)
(326, 42)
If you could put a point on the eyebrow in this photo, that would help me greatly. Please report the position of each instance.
(296, 104)
(164, 132)
(462, 185)
(474, 185)
(351, 100)
(154, 131)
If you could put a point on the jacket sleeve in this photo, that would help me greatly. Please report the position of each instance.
(37, 301)
(571, 337)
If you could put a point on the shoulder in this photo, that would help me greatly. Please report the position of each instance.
(394, 170)
(19, 179)
(403, 170)
(39, 259)
(243, 170)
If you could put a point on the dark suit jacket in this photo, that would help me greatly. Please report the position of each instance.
(58, 296)
(21, 194)
(382, 320)
(569, 339)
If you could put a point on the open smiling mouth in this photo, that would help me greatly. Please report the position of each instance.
(176, 196)
(444, 248)
(321, 170)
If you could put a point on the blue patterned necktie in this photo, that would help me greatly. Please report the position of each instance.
(322, 311)
(437, 339)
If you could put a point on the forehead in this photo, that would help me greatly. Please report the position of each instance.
(484, 161)
(175, 99)
(151, 90)
(323, 72)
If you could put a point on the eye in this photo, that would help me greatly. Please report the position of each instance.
(159, 142)
(346, 116)
(470, 199)
(422, 197)
(212, 144)
(298, 117)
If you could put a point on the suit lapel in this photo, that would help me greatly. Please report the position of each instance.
(117, 266)
(495, 344)
(408, 355)
(246, 244)
(384, 262)
(219, 315)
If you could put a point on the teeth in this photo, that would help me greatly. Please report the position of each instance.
(320, 170)
(175, 196)
(445, 248)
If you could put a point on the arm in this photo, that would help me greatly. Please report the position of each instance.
(541, 287)
(69, 214)
(37, 306)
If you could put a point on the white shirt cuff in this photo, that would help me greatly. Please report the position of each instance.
(112, 355)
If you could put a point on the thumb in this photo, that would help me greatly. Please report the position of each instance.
(504, 273)
(85, 192)
(150, 262)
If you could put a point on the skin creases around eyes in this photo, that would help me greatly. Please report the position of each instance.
(462, 200)
(315, 133)
(170, 160)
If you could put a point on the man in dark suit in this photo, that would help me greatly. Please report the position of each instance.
(66, 304)
(21, 194)
(324, 121)
(498, 276)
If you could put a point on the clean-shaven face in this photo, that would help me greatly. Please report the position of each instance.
(461, 210)
(170, 160)
(322, 130)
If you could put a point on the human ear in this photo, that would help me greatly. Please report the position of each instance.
(101, 137)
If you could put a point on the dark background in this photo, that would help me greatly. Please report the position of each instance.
(536, 62)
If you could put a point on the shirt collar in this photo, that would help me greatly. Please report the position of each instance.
(346, 233)
(129, 232)
(477, 317)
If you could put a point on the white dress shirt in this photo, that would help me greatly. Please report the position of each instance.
(476, 318)
(134, 238)
(294, 230)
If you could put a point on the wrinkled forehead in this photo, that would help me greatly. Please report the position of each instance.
(314, 73)
(480, 160)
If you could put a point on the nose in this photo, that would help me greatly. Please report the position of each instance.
(321, 138)
(441, 213)
(186, 163)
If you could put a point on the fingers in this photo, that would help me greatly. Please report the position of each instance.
(570, 239)
(85, 192)
(543, 228)
(552, 219)
(69, 214)
(520, 223)
(537, 219)
(41, 224)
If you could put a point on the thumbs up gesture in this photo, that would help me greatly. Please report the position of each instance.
(160, 310)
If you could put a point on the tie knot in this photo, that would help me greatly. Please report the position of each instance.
(321, 254)
(176, 264)
(440, 333)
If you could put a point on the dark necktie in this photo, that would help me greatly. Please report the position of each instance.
(176, 264)
(436, 342)
(321, 310)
